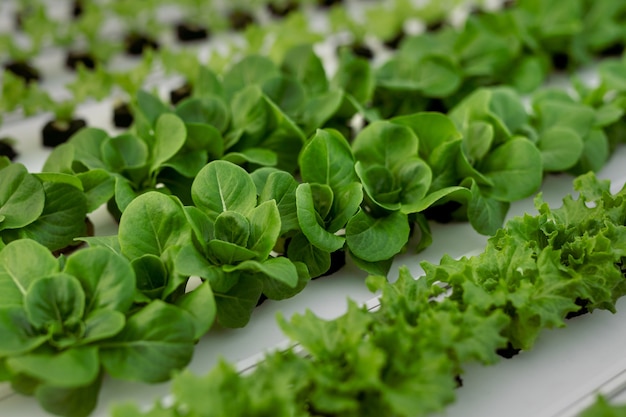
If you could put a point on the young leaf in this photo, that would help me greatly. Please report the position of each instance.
(106, 278)
(265, 227)
(124, 152)
(22, 197)
(280, 269)
(70, 368)
(88, 144)
(210, 111)
(301, 250)
(200, 304)
(287, 93)
(560, 147)
(596, 151)
(384, 143)
(63, 218)
(21, 263)
(102, 324)
(232, 227)
(279, 186)
(222, 186)
(151, 223)
(514, 168)
(151, 275)
(54, 302)
(235, 306)
(327, 159)
(303, 64)
(169, 135)
(432, 129)
(253, 69)
(157, 340)
(309, 221)
(486, 215)
(98, 186)
(377, 239)
(150, 106)
(17, 334)
(277, 289)
(226, 253)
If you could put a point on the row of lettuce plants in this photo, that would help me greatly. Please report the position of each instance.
(443, 64)
(287, 184)
(95, 79)
(251, 234)
(91, 38)
(88, 32)
(407, 357)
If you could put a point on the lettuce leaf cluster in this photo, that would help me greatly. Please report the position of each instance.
(404, 357)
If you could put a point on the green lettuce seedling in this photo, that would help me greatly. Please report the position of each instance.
(65, 322)
(48, 208)
(233, 239)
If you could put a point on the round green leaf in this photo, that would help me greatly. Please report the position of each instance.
(252, 69)
(70, 368)
(439, 76)
(327, 159)
(21, 197)
(151, 223)
(62, 219)
(265, 227)
(56, 299)
(515, 170)
(170, 134)
(102, 324)
(209, 110)
(106, 277)
(431, 128)
(222, 186)
(286, 92)
(156, 341)
(200, 304)
(376, 239)
(384, 143)
(235, 307)
(21, 263)
(124, 152)
(232, 227)
(315, 259)
(414, 178)
(560, 147)
(17, 334)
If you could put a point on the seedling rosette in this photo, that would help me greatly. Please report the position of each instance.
(233, 239)
(49, 208)
(65, 322)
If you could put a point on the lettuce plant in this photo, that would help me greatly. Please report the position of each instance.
(328, 198)
(233, 239)
(49, 208)
(162, 152)
(497, 161)
(569, 137)
(66, 322)
(603, 407)
(405, 357)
